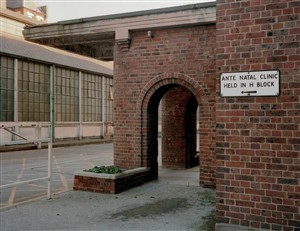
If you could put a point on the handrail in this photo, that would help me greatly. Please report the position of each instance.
(48, 178)
(18, 135)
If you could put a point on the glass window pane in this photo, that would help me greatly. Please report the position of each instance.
(7, 89)
(34, 89)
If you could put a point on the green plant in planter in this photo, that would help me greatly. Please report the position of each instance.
(104, 169)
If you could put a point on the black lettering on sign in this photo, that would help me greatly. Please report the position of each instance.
(230, 85)
(228, 78)
(269, 76)
(247, 77)
(265, 84)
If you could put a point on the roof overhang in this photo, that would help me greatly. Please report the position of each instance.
(95, 36)
(19, 48)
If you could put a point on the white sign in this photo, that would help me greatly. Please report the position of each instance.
(253, 83)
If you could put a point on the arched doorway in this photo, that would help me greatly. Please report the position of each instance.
(179, 130)
(178, 140)
(148, 102)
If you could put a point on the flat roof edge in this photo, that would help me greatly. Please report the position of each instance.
(12, 46)
(135, 14)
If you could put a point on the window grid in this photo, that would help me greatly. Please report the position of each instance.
(7, 89)
(33, 91)
(91, 97)
(66, 95)
(109, 99)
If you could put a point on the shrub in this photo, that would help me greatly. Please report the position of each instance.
(104, 169)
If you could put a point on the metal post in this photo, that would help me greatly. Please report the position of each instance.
(52, 75)
(79, 105)
(52, 124)
(49, 170)
(16, 106)
(103, 106)
(103, 99)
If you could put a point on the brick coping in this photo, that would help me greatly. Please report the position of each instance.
(125, 173)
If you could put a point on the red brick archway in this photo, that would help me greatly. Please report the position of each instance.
(149, 99)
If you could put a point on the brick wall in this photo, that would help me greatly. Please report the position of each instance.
(258, 138)
(106, 183)
(178, 128)
(151, 67)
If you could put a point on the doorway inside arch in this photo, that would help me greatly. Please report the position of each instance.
(172, 139)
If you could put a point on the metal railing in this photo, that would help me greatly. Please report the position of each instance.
(48, 178)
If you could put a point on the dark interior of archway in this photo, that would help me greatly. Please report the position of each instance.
(152, 130)
(192, 158)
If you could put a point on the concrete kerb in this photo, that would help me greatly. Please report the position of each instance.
(56, 144)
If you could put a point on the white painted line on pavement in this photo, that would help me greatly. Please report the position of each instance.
(62, 177)
(14, 189)
(87, 160)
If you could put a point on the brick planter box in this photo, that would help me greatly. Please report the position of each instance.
(110, 183)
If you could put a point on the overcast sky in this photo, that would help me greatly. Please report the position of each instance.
(59, 10)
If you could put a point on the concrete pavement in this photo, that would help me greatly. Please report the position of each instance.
(31, 164)
(174, 202)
